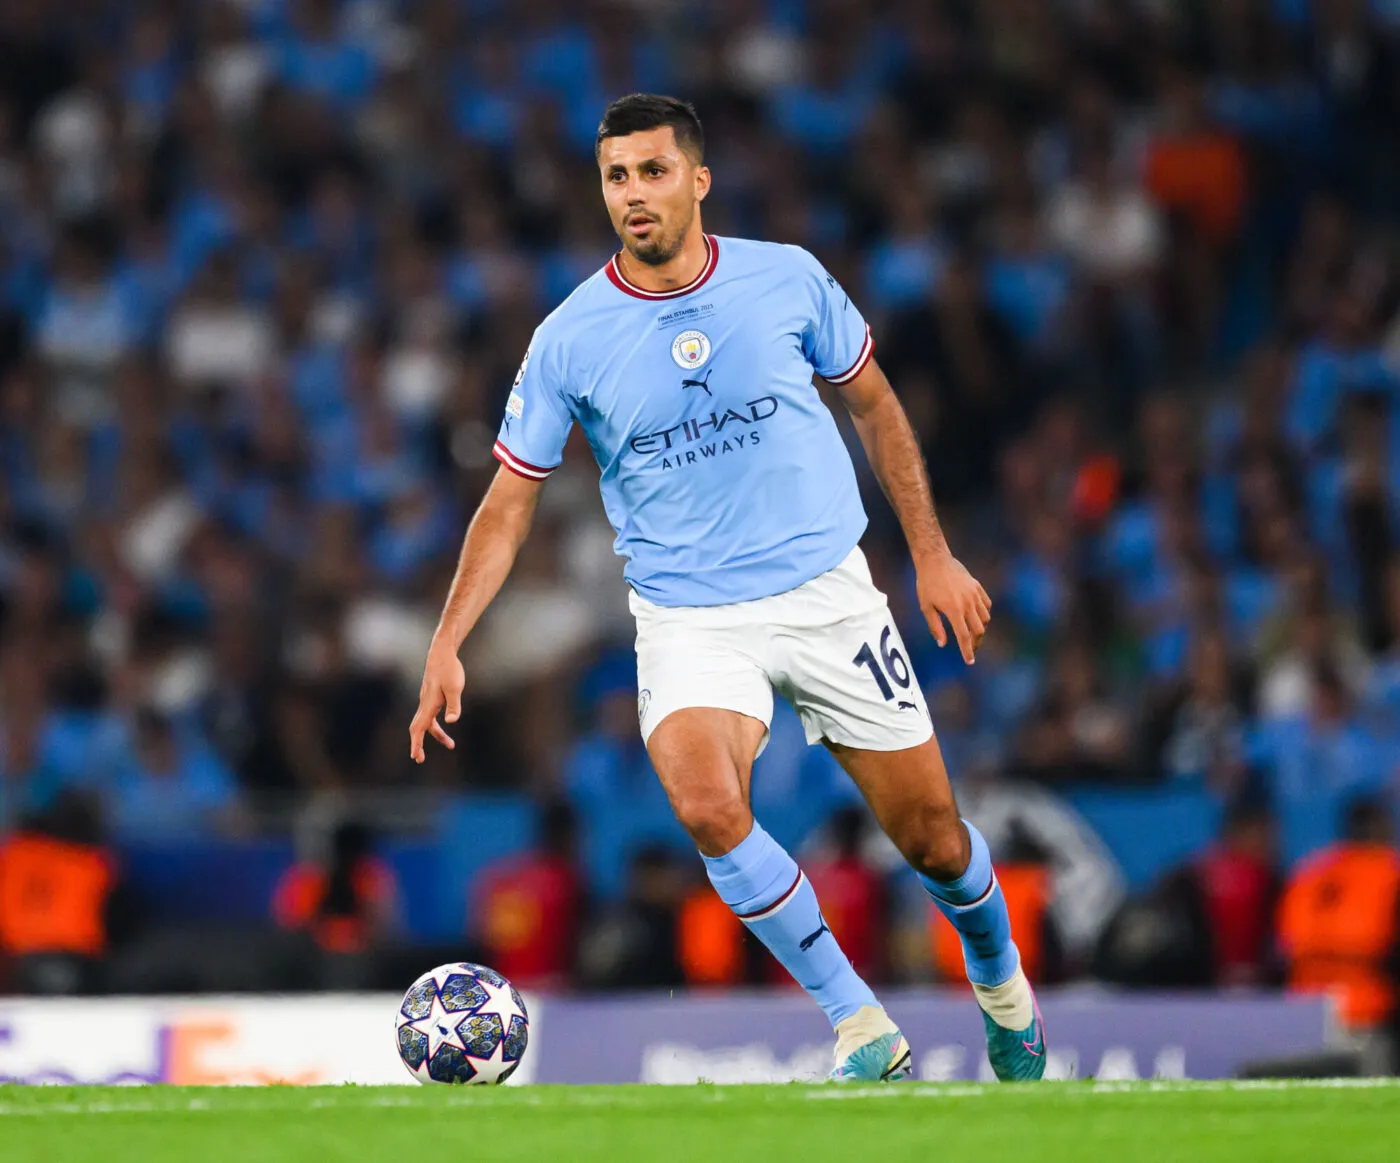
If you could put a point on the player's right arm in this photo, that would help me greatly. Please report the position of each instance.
(493, 538)
(529, 446)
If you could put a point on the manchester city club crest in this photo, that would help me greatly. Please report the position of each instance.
(690, 349)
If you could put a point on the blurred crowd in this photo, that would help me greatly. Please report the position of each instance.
(267, 268)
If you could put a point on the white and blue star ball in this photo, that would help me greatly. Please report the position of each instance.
(461, 1023)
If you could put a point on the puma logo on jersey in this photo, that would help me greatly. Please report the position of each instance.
(704, 383)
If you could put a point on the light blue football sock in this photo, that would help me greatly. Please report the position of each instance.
(768, 892)
(974, 904)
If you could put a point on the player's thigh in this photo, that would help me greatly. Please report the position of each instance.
(705, 704)
(909, 793)
(704, 759)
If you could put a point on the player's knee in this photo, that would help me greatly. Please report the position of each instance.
(933, 841)
(717, 824)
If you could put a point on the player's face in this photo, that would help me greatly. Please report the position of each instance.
(652, 190)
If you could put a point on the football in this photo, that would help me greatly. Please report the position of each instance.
(461, 1023)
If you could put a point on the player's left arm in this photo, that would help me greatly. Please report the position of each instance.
(945, 586)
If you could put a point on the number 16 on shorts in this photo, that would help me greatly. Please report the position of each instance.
(890, 663)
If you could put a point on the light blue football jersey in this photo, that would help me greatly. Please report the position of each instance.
(722, 470)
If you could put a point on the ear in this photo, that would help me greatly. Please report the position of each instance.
(702, 182)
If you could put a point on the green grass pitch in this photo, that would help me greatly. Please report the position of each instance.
(1350, 1122)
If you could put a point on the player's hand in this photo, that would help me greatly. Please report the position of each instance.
(443, 680)
(947, 590)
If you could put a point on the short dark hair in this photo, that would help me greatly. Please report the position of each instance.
(641, 111)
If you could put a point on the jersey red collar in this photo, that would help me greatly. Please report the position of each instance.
(619, 280)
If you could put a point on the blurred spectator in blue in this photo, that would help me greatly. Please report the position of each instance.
(417, 528)
(314, 55)
(827, 109)
(1344, 358)
(1030, 285)
(1038, 581)
(81, 738)
(1007, 682)
(152, 71)
(84, 328)
(167, 786)
(485, 97)
(608, 765)
(905, 267)
(1318, 760)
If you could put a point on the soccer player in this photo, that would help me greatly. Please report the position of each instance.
(688, 360)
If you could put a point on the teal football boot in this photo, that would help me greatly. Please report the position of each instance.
(1017, 1055)
(870, 1048)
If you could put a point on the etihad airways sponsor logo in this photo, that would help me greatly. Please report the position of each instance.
(733, 424)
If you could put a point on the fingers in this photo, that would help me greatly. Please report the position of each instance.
(935, 623)
(968, 611)
(425, 721)
(415, 738)
(963, 634)
(439, 733)
(976, 623)
(453, 711)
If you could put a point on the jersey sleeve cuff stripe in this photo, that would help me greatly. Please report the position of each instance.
(866, 351)
(520, 467)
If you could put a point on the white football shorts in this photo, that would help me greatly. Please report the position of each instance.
(829, 646)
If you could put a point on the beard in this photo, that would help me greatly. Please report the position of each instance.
(659, 247)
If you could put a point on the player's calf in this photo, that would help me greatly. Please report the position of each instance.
(769, 893)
